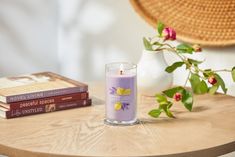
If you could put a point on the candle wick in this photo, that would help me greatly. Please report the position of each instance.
(121, 72)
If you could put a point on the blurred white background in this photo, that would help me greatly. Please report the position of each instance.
(77, 37)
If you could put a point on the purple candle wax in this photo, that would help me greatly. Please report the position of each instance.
(121, 97)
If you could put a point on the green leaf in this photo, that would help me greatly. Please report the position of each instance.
(213, 89)
(207, 73)
(221, 83)
(198, 86)
(201, 88)
(160, 98)
(171, 92)
(170, 104)
(157, 43)
(184, 48)
(160, 27)
(169, 113)
(208, 70)
(195, 62)
(155, 113)
(174, 66)
(147, 44)
(163, 104)
(233, 74)
(187, 100)
(166, 108)
(194, 81)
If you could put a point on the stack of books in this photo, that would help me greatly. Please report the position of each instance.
(40, 93)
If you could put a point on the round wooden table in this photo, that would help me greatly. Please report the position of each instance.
(207, 131)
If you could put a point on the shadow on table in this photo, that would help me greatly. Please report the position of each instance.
(195, 109)
(97, 101)
(164, 120)
(176, 113)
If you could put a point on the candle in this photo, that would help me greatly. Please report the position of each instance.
(121, 94)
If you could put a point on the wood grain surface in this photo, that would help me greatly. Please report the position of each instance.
(207, 131)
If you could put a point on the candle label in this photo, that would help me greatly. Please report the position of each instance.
(121, 105)
(120, 91)
(120, 101)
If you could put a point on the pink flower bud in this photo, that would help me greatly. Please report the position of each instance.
(197, 48)
(169, 33)
(212, 80)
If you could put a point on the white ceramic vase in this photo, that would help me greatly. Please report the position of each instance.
(152, 77)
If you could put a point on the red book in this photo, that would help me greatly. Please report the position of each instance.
(45, 101)
(43, 108)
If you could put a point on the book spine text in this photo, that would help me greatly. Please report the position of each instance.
(49, 100)
(44, 94)
(47, 108)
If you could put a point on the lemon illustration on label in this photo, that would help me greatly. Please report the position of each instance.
(118, 106)
(127, 92)
(120, 91)
(123, 91)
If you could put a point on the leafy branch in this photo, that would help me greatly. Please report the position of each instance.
(197, 76)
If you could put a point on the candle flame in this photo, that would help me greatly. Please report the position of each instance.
(121, 69)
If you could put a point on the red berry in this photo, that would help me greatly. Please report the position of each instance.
(177, 96)
(212, 80)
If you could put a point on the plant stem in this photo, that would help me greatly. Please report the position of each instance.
(190, 67)
(170, 46)
(220, 70)
(223, 70)
(187, 79)
(158, 49)
(175, 52)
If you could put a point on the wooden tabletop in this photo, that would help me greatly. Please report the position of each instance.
(207, 131)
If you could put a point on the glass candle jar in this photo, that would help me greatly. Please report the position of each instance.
(121, 93)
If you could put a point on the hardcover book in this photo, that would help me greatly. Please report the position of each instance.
(5, 113)
(45, 101)
(38, 85)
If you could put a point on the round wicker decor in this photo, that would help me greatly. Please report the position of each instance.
(205, 22)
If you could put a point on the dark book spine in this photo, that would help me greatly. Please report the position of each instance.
(44, 94)
(47, 108)
(49, 100)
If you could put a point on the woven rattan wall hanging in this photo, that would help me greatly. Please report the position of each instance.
(206, 22)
